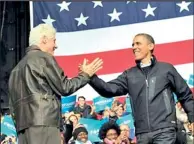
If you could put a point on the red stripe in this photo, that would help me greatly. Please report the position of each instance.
(119, 60)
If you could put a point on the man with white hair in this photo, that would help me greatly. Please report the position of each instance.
(36, 85)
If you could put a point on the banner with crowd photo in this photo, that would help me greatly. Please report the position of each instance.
(93, 127)
(128, 105)
(68, 103)
(7, 126)
(101, 103)
(190, 80)
(132, 133)
(127, 119)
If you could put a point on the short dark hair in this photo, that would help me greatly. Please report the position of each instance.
(148, 37)
(81, 97)
(106, 127)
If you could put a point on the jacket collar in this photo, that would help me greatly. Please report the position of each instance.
(153, 62)
(32, 47)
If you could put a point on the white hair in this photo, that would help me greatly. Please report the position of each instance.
(40, 31)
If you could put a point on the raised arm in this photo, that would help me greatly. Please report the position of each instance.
(64, 86)
(112, 88)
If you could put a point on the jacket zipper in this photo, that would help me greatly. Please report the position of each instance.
(147, 100)
(147, 83)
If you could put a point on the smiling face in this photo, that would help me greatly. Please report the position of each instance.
(73, 119)
(125, 131)
(48, 44)
(142, 48)
(82, 137)
(120, 111)
(81, 102)
(112, 135)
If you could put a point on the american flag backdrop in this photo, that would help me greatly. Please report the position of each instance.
(106, 30)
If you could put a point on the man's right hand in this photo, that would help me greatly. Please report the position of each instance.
(92, 67)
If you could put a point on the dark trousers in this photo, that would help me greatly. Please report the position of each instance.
(161, 136)
(39, 135)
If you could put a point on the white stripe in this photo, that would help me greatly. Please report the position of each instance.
(185, 70)
(120, 37)
(31, 14)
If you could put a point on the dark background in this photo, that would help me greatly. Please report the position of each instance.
(14, 32)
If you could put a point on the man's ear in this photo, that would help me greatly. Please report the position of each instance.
(151, 46)
(44, 39)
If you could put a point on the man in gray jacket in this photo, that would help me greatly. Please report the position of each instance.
(151, 85)
(36, 85)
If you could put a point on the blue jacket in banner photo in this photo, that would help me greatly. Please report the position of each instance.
(128, 105)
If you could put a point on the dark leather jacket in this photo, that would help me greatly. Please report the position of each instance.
(36, 85)
(151, 96)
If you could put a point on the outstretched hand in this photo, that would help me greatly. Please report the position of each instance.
(91, 68)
